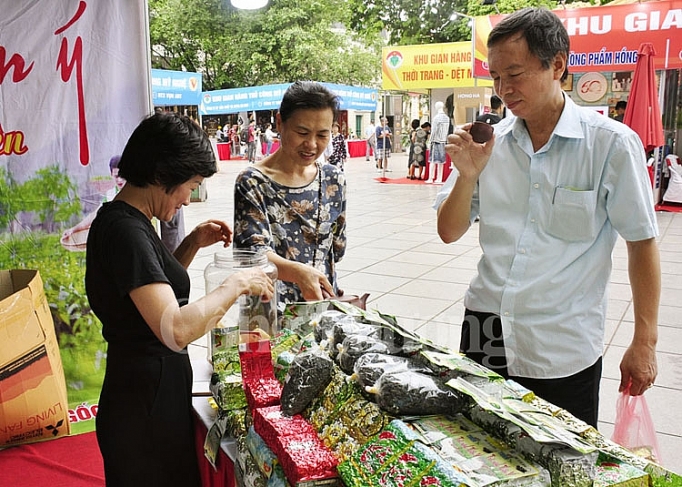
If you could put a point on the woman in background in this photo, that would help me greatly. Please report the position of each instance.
(339, 152)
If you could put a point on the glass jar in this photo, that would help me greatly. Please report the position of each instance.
(252, 316)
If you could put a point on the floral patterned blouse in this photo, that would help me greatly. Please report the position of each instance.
(305, 224)
(338, 156)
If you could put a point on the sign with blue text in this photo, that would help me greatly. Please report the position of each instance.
(170, 88)
(269, 97)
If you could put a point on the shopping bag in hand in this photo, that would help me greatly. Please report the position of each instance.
(634, 428)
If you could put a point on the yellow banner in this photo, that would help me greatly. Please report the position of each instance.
(447, 65)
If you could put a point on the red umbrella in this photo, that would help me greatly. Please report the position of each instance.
(643, 115)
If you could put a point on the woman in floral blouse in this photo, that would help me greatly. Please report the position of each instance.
(293, 207)
(338, 157)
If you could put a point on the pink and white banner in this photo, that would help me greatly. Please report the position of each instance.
(74, 83)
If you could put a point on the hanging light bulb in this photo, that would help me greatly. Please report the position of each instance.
(249, 4)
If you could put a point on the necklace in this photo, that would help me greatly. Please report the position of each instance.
(317, 218)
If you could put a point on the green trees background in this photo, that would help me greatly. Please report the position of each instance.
(337, 41)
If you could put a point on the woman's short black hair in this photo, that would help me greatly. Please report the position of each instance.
(307, 95)
(543, 31)
(167, 149)
(415, 124)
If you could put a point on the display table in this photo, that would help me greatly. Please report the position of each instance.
(223, 474)
(224, 148)
(446, 170)
(358, 148)
(275, 146)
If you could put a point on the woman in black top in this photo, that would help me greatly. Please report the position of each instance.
(140, 293)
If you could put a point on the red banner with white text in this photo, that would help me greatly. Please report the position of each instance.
(607, 38)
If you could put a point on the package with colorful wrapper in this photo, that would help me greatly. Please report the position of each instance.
(263, 456)
(395, 458)
(271, 422)
(227, 390)
(246, 469)
(295, 443)
(305, 458)
(483, 458)
(283, 341)
(343, 418)
(261, 387)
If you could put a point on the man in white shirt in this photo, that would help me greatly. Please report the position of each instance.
(371, 136)
(554, 188)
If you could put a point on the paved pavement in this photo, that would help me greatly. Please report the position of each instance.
(395, 254)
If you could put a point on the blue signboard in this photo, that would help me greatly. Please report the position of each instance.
(269, 97)
(175, 88)
(354, 98)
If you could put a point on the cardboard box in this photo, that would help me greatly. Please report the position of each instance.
(33, 402)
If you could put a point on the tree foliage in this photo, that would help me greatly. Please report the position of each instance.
(406, 22)
(289, 40)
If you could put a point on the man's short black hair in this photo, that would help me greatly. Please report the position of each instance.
(495, 102)
(621, 105)
(543, 31)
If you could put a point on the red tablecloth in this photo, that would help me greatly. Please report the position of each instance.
(446, 170)
(223, 474)
(224, 150)
(357, 148)
(73, 461)
(275, 146)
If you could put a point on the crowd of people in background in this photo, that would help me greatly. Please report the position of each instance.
(256, 139)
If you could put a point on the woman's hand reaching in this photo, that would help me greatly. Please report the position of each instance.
(203, 235)
(313, 283)
(210, 232)
(253, 281)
